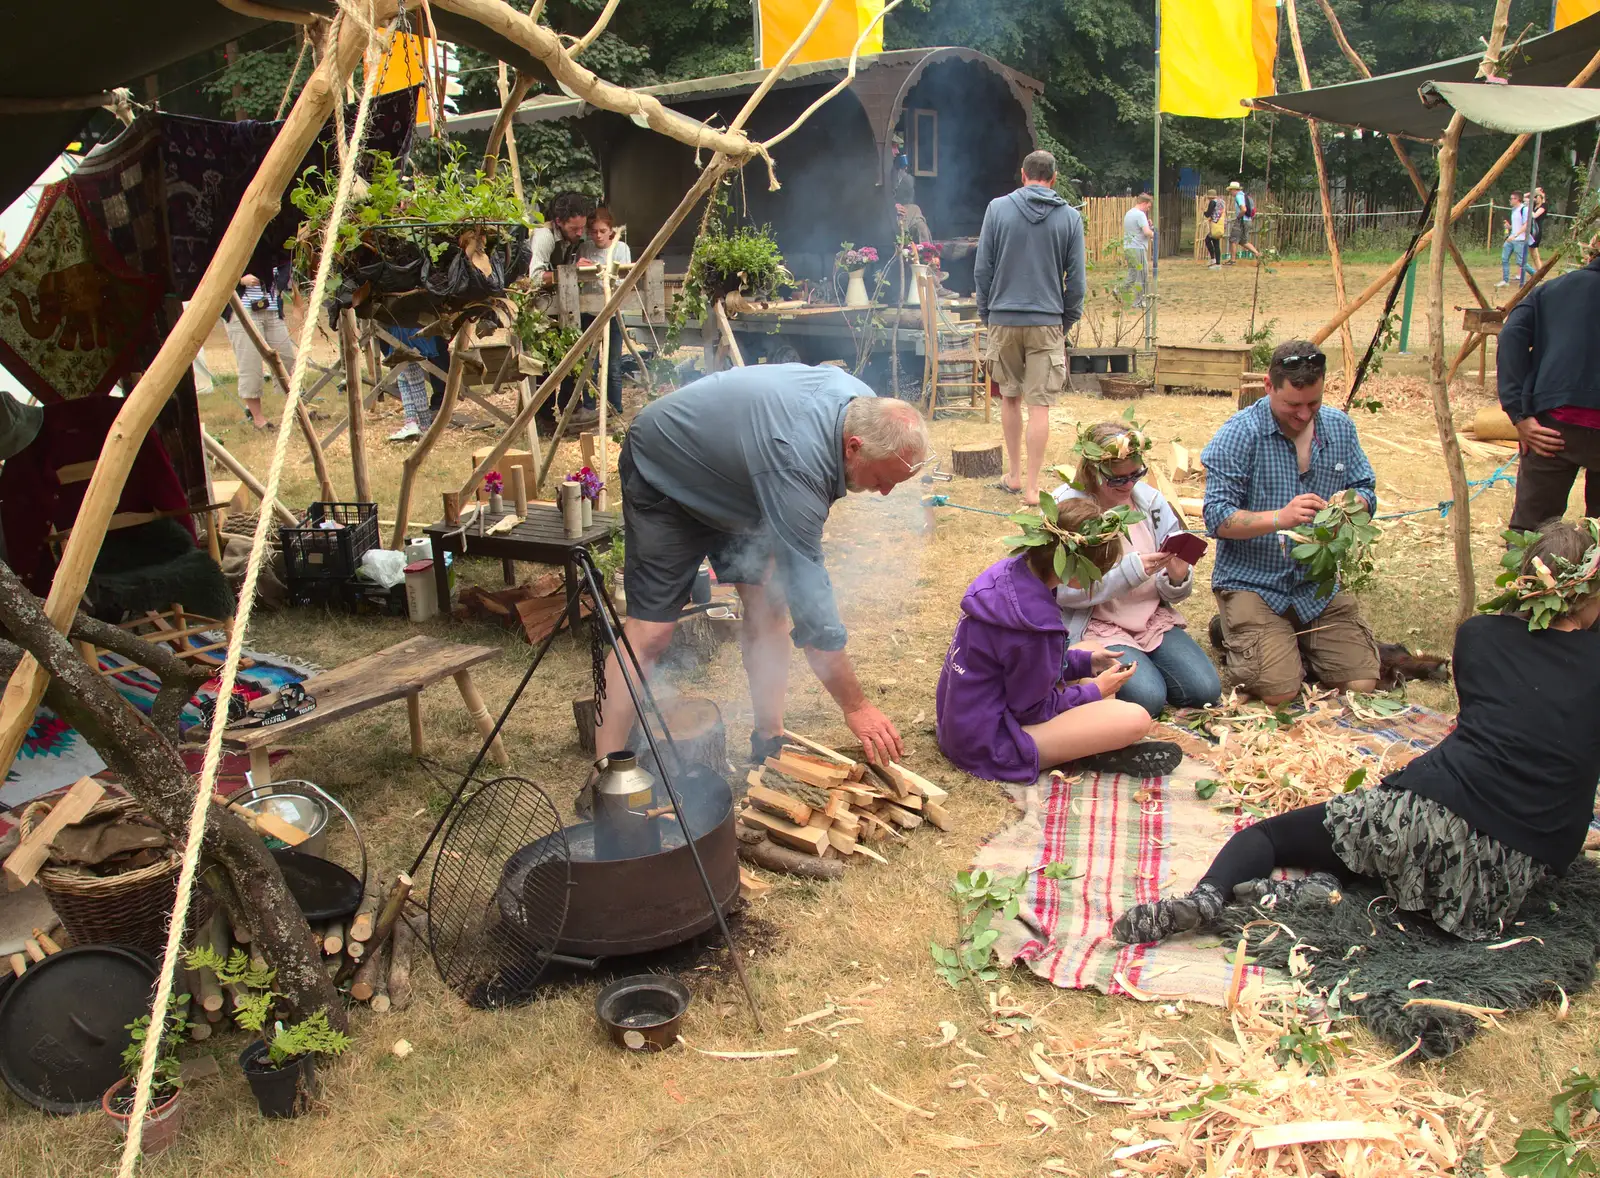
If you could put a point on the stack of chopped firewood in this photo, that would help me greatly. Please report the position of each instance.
(809, 808)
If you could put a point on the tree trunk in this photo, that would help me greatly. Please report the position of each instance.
(154, 773)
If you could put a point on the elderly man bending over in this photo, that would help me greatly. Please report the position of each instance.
(743, 467)
(1269, 468)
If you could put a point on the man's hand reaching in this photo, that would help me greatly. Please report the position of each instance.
(877, 734)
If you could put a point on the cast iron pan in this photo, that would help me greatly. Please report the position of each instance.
(63, 1024)
(324, 890)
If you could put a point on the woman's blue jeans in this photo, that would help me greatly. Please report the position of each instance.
(1177, 674)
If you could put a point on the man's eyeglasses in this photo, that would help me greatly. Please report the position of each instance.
(912, 469)
(1125, 480)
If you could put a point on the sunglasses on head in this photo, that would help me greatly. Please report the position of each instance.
(1314, 361)
(1124, 480)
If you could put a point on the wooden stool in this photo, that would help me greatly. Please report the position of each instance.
(402, 671)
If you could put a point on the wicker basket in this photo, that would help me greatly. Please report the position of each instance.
(133, 908)
(1123, 388)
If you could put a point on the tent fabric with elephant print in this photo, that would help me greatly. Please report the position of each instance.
(73, 315)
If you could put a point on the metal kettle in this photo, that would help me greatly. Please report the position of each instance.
(623, 795)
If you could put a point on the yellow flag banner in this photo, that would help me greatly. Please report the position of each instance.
(1570, 12)
(1215, 55)
(782, 20)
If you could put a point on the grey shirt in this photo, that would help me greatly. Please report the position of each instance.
(759, 450)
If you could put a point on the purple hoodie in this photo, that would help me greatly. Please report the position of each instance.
(1003, 671)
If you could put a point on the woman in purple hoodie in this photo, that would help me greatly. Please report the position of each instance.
(1005, 710)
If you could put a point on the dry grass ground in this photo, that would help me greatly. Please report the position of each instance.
(539, 1091)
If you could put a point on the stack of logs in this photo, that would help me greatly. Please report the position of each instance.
(372, 952)
(809, 809)
(37, 947)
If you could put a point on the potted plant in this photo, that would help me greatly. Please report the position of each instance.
(164, 1117)
(281, 1065)
(494, 484)
(854, 263)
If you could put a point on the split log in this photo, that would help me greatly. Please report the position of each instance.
(916, 784)
(751, 886)
(812, 775)
(869, 853)
(23, 864)
(803, 838)
(773, 778)
(937, 815)
(770, 856)
(583, 721)
(841, 842)
(400, 951)
(904, 819)
(374, 968)
(976, 460)
(781, 805)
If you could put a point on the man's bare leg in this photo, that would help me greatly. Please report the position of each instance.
(1011, 429)
(1038, 441)
(764, 644)
(649, 641)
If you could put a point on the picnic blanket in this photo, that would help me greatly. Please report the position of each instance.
(1130, 841)
(54, 754)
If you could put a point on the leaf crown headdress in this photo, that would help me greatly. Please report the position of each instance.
(1131, 443)
(1071, 559)
(1545, 593)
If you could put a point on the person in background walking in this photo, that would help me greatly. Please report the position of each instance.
(264, 305)
(1216, 217)
(1137, 237)
(1029, 275)
(1536, 212)
(1549, 383)
(1242, 235)
(1516, 243)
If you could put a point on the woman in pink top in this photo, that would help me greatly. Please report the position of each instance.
(1129, 611)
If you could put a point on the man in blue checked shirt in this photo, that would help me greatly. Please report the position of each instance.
(1269, 468)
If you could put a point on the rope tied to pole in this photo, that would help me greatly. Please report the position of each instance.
(259, 544)
(1482, 485)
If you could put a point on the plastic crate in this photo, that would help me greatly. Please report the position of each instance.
(315, 553)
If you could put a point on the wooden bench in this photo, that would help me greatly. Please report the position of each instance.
(402, 671)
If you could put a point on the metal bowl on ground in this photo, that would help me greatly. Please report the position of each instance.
(643, 1012)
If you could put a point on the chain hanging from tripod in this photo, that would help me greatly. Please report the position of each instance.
(598, 649)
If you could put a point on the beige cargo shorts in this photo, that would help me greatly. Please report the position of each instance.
(1029, 362)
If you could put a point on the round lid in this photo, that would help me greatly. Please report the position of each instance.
(324, 890)
(63, 1025)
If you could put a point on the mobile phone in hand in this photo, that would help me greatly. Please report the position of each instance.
(1186, 546)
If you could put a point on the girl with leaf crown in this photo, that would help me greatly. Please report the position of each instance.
(1463, 833)
(1129, 611)
(1012, 699)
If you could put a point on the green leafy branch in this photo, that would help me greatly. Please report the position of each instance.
(1563, 1150)
(1335, 548)
(168, 1076)
(255, 1010)
(979, 897)
(1072, 564)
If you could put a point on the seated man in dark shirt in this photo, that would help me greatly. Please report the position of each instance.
(1462, 833)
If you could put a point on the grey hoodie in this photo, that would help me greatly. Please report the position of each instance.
(1029, 269)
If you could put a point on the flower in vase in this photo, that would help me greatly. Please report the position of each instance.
(590, 484)
(493, 483)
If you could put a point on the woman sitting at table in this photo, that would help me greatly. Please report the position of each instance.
(1465, 831)
(1129, 611)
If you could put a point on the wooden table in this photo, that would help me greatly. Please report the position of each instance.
(402, 671)
(539, 539)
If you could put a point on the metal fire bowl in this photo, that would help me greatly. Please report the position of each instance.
(625, 906)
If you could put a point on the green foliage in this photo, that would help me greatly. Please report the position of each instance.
(725, 260)
(1335, 548)
(1562, 1151)
(541, 335)
(610, 561)
(393, 211)
(979, 897)
(1206, 788)
(1261, 345)
(261, 77)
(257, 1009)
(167, 1078)
(1070, 561)
(1311, 1047)
(1202, 1105)
(1543, 594)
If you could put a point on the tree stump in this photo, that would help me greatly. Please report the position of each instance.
(696, 727)
(976, 460)
(694, 643)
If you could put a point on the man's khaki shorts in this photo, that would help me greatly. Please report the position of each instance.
(1029, 362)
(1264, 651)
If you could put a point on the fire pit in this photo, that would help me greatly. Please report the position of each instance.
(619, 906)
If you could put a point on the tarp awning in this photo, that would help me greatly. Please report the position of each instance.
(1515, 110)
(1390, 103)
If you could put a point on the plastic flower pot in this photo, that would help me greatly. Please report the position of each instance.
(283, 1091)
(163, 1120)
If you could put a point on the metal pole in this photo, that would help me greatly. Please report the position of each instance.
(1151, 301)
(1405, 314)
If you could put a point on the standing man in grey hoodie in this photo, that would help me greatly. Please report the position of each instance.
(1030, 283)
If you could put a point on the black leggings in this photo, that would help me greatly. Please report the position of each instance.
(1214, 248)
(1295, 839)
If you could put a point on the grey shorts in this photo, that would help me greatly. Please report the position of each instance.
(663, 546)
(1242, 230)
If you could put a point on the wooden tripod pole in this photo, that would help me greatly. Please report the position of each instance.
(350, 345)
(259, 205)
(1461, 512)
(319, 461)
(1347, 343)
